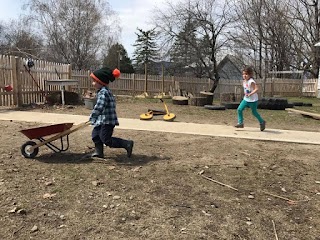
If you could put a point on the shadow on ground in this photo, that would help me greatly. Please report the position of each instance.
(76, 158)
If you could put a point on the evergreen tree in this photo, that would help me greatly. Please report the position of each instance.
(118, 58)
(146, 50)
(183, 54)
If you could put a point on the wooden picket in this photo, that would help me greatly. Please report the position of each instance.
(6, 72)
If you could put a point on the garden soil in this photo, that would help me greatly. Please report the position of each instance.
(175, 186)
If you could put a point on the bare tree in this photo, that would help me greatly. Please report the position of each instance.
(280, 34)
(210, 18)
(76, 31)
(263, 31)
(304, 20)
(278, 40)
(20, 40)
(250, 34)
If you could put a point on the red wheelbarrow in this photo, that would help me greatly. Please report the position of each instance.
(30, 149)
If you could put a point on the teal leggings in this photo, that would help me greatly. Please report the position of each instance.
(253, 106)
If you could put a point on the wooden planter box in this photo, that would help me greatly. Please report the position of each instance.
(206, 98)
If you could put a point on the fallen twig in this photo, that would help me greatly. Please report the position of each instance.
(245, 153)
(15, 232)
(277, 196)
(215, 181)
(181, 205)
(275, 231)
(225, 164)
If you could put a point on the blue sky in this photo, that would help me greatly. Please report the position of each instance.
(10, 9)
(132, 14)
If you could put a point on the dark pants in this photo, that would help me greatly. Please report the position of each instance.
(102, 134)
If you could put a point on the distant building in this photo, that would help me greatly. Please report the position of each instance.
(230, 68)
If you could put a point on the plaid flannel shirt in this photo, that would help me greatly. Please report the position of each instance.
(104, 112)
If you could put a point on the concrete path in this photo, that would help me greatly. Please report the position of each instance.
(173, 127)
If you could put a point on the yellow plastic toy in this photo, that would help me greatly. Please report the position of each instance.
(167, 115)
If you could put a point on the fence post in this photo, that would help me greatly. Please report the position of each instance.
(301, 87)
(162, 87)
(264, 80)
(70, 77)
(88, 83)
(317, 88)
(14, 79)
(69, 71)
(133, 82)
(16, 82)
(173, 83)
(146, 78)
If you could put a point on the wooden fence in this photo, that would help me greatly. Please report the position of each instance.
(134, 84)
(272, 87)
(29, 85)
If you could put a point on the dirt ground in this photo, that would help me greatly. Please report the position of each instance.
(175, 186)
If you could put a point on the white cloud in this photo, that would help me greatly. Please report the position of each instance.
(135, 14)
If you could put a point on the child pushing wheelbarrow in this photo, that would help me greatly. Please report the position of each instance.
(103, 117)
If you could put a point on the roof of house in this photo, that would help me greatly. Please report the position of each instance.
(230, 68)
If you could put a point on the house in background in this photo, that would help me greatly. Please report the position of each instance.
(229, 68)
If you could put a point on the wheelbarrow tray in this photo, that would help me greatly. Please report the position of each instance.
(39, 132)
(58, 131)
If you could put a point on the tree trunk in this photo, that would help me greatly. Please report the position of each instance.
(214, 86)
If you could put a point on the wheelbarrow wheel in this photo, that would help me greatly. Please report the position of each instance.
(25, 150)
